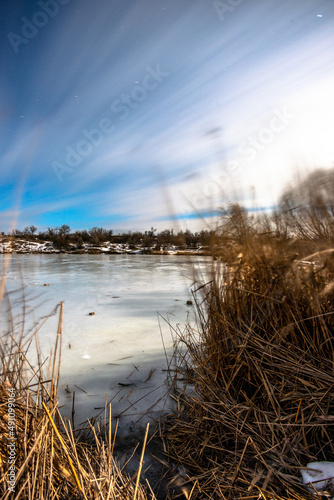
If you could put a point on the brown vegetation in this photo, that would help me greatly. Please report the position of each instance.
(258, 404)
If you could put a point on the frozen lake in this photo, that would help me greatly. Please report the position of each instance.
(117, 353)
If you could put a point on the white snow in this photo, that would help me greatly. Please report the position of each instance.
(320, 477)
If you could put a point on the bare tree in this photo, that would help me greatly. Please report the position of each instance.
(236, 223)
(64, 229)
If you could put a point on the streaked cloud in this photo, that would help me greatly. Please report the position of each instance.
(225, 76)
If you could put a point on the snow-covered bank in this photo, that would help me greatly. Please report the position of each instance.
(18, 245)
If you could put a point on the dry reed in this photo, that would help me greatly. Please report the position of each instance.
(52, 460)
(259, 400)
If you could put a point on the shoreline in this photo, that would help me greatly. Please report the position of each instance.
(20, 246)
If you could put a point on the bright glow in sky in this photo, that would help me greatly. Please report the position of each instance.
(133, 114)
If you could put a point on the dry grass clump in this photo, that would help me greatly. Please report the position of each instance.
(260, 401)
(52, 460)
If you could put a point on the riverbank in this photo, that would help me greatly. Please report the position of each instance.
(24, 246)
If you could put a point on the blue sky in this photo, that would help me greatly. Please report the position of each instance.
(132, 114)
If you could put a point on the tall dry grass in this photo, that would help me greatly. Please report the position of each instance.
(258, 404)
(52, 460)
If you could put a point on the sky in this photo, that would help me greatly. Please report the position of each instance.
(129, 114)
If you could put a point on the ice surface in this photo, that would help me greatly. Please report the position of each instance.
(116, 354)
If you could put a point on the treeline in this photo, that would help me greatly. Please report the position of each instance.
(62, 237)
